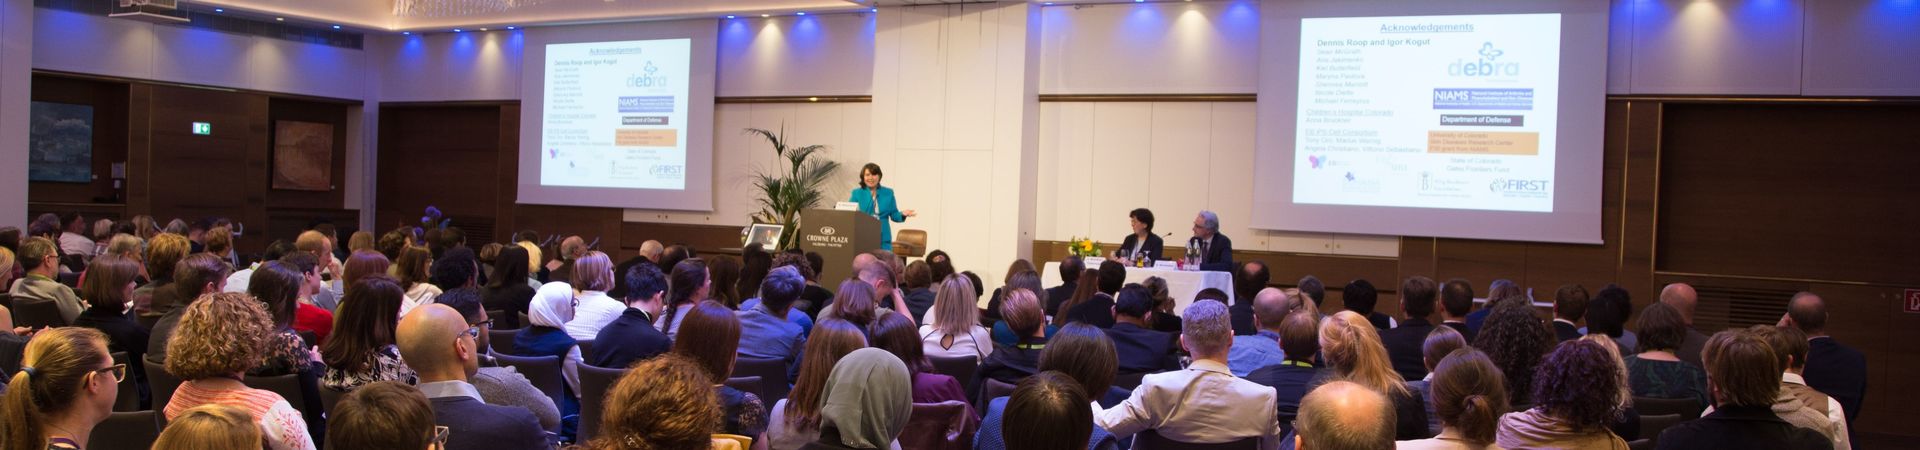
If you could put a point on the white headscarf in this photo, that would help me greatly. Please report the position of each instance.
(868, 399)
(552, 305)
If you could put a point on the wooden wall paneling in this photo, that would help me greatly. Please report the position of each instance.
(507, 186)
(603, 224)
(1550, 265)
(259, 148)
(139, 149)
(461, 145)
(109, 102)
(1480, 262)
(1870, 319)
(194, 176)
(1418, 257)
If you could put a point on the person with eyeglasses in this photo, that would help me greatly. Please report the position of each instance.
(385, 415)
(66, 385)
(437, 343)
(41, 260)
(498, 384)
(219, 338)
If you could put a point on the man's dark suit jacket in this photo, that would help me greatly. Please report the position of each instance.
(629, 338)
(1404, 347)
(1142, 350)
(1153, 248)
(472, 425)
(1057, 295)
(1462, 328)
(1753, 427)
(1096, 311)
(1241, 315)
(1219, 255)
(1690, 348)
(1838, 371)
(1567, 332)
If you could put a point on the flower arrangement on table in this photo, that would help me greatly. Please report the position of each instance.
(1083, 247)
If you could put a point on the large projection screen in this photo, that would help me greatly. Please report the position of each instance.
(618, 116)
(1466, 119)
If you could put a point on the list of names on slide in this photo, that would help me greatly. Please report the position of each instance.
(1454, 112)
(615, 114)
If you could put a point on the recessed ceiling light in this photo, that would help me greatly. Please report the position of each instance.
(406, 32)
(729, 16)
(483, 29)
(766, 15)
(510, 27)
(280, 19)
(802, 13)
(457, 30)
(336, 27)
(219, 10)
(874, 10)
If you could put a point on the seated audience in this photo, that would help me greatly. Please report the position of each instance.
(437, 343)
(561, 267)
(1086, 289)
(1142, 350)
(765, 332)
(1344, 415)
(712, 339)
(663, 403)
(1743, 373)
(507, 289)
(1070, 279)
(1796, 403)
(211, 427)
(455, 268)
(67, 385)
(797, 311)
(1469, 396)
(1084, 355)
(1607, 314)
(362, 348)
(1010, 363)
(1499, 292)
(1098, 309)
(1684, 299)
(164, 251)
(503, 386)
(41, 261)
(1626, 424)
(1456, 302)
(856, 302)
(1656, 372)
(1575, 396)
(109, 285)
(220, 337)
(725, 271)
(237, 281)
(894, 333)
(1247, 284)
(1418, 296)
(1292, 378)
(688, 285)
(385, 415)
(866, 402)
(1516, 341)
(196, 275)
(1360, 297)
(1028, 280)
(359, 265)
(952, 327)
(551, 309)
(918, 287)
(307, 315)
(326, 294)
(1204, 403)
(277, 286)
(795, 420)
(632, 337)
(593, 309)
(1441, 342)
(1353, 351)
(884, 299)
(413, 270)
(1046, 412)
(1164, 318)
(1832, 368)
(1569, 306)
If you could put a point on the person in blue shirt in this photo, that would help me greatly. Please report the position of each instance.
(877, 201)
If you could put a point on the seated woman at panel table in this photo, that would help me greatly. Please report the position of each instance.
(1142, 241)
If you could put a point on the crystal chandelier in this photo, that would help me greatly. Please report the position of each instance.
(441, 8)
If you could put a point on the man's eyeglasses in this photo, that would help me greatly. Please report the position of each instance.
(473, 332)
(485, 324)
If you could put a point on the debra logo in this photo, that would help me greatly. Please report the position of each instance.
(1316, 161)
(1512, 185)
(1487, 65)
(648, 79)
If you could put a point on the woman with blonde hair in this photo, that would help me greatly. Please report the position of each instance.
(66, 385)
(210, 427)
(219, 338)
(593, 309)
(1353, 350)
(795, 420)
(953, 325)
(360, 240)
(164, 252)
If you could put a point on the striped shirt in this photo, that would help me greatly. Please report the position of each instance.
(285, 428)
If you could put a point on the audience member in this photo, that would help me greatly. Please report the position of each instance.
(1655, 371)
(1743, 373)
(507, 291)
(41, 260)
(1163, 318)
(1248, 281)
(1098, 309)
(552, 307)
(504, 385)
(1575, 395)
(1082, 356)
(1028, 280)
(109, 284)
(1516, 341)
(1204, 403)
(1684, 299)
(1469, 396)
(867, 401)
(1085, 353)
(276, 286)
(661, 404)
(1142, 350)
(362, 348)
(765, 332)
(593, 309)
(1625, 424)
(1353, 351)
(211, 427)
(386, 415)
(688, 285)
(1070, 279)
(360, 265)
(631, 337)
(196, 275)
(1292, 378)
(1086, 288)
(855, 303)
(795, 420)
(219, 242)
(1010, 363)
(1360, 297)
(1314, 290)
(673, 255)
(755, 262)
(941, 263)
(1796, 403)
(1832, 368)
(455, 268)
(164, 252)
(308, 316)
(918, 287)
(797, 310)
(220, 337)
(1418, 295)
(412, 271)
(74, 239)
(571, 249)
(67, 384)
(725, 271)
(1569, 306)
(1045, 413)
(1344, 415)
(885, 299)
(895, 334)
(712, 339)
(237, 281)
(1441, 342)
(437, 343)
(1456, 302)
(1607, 314)
(952, 327)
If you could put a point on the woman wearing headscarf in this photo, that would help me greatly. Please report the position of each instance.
(551, 309)
(868, 399)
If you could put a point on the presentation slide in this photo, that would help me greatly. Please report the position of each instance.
(616, 114)
(1454, 112)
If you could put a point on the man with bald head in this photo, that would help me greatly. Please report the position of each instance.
(1262, 348)
(1344, 415)
(436, 342)
(1682, 297)
(1833, 369)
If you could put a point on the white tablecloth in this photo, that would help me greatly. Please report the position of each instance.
(1181, 285)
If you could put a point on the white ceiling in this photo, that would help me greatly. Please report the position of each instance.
(382, 14)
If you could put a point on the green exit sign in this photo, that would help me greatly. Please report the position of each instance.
(202, 128)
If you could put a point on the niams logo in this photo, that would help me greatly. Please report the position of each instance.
(1488, 65)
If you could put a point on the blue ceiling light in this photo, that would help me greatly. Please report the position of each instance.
(874, 10)
(511, 27)
(729, 16)
(457, 30)
(802, 13)
(406, 32)
(336, 27)
(219, 10)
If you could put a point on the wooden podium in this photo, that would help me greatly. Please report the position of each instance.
(837, 236)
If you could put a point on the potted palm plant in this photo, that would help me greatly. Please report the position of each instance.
(792, 185)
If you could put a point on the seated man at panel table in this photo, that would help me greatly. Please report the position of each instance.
(1216, 251)
(1203, 403)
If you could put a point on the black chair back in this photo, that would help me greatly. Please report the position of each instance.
(586, 349)
(1129, 381)
(1640, 444)
(501, 341)
(128, 399)
(1151, 440)
(1684, 407)
(1651, 426)
(772, 373)
(745, 384)
(997, 389)
(330, 397)
(594, 384)
(543, 371)
(161, 384)
(37, 314)
(126, 430)
(496, 314)
(6, 299)
(960, 368)
(288, 386)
